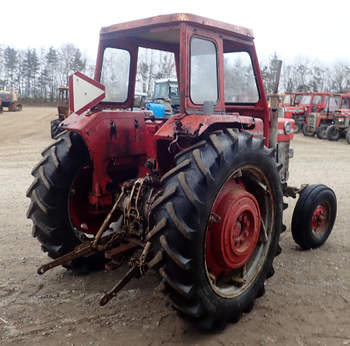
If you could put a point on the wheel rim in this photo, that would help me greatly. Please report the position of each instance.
(239, 232)
(320, 219)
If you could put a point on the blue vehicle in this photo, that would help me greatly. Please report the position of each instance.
(165, 99)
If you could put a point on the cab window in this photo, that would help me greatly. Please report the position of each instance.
(239, 78)
(115, 74)
(204, 71)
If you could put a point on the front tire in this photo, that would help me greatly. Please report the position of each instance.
(314, 216)
(333, 133)
(230, 177)
(306, 131)
(321, 131)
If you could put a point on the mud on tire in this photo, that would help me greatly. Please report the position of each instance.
(181, 217)
(49, 195)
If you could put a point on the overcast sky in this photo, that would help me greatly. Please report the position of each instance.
(317, 29)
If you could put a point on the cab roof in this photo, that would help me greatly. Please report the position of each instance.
(172, 20)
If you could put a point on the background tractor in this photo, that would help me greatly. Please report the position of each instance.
(9, 100)
(312, 102)
(318, 122)
(292, 99)
(62, 108)
(197, 197)
(341, 121)
(165, 99)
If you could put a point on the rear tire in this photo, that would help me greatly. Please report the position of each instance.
(49, 194)
(321, 131)
(184, 217)
(333, 133)
(314, 216)
(55, 129)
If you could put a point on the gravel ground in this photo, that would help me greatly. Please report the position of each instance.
(307, 301)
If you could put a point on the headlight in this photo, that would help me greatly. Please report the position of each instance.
(287, 127)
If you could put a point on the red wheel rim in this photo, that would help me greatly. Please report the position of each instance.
(231, 241)
(320, 219)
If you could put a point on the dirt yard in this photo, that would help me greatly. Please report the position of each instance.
(307, 301)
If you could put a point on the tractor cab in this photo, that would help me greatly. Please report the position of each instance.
(214, 64)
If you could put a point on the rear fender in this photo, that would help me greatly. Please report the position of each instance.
(114, 138)
(195, 125)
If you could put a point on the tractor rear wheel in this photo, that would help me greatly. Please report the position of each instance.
(333, 133)
(59, 200)
(217, 226)
(55, 129)
(314, 216)
(321, 131)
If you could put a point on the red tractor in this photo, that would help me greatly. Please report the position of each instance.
(197, 197)
(341, 121)
(313, 102)
(292, 99)
(318, 122)
(292, 110)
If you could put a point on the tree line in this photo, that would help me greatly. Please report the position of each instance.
(36, 74)
(305, 74)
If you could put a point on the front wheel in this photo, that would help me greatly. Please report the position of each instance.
(332, 133)
(307, 132)
(321, 131)
(314, 216)
(217, 226)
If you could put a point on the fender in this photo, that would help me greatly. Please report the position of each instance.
(116, 141)
(194, 125)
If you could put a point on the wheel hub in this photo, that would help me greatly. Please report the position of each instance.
(318, 218)
(231, 241)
